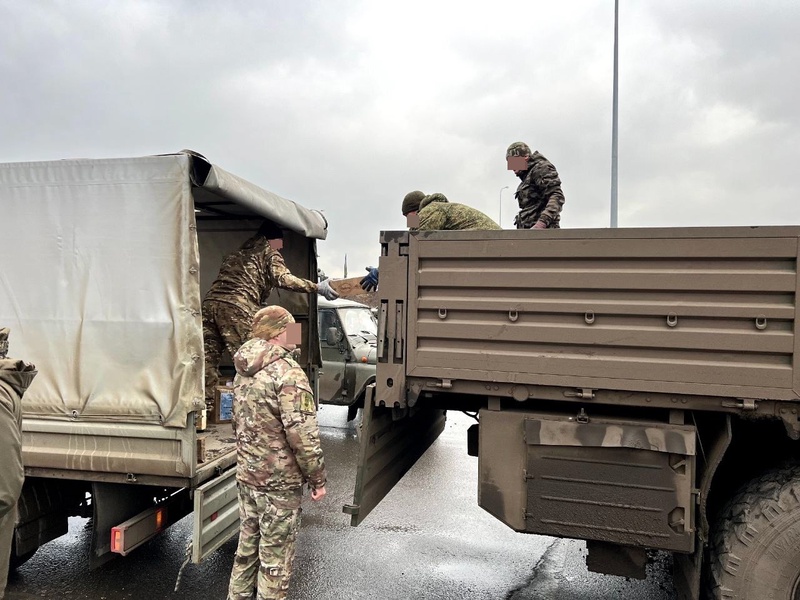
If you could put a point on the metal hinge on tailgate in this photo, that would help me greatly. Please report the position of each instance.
(445, 384)
(741, 403)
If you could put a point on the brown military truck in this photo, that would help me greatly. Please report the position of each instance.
(635, 388)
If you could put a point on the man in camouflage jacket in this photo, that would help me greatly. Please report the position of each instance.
(278, 449)
(245, 280)
(539, 194)
(15, 377)
(435, 212)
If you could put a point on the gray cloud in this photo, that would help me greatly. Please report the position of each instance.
(346, 106)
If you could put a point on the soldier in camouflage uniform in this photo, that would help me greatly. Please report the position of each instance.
(15, 377)
(245, 280)
(411, 202)
(278, 449)
(435, 212)
(539, 195)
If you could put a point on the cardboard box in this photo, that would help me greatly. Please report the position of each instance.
(222, 411)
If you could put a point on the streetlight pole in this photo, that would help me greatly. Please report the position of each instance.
(614, 118)
(500, 221)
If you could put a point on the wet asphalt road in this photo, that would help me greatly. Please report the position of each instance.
(427, 539)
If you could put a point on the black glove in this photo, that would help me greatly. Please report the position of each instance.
(370, 282)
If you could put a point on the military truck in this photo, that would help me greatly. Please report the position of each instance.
(103, 269)
(348, 339)
(635, 388)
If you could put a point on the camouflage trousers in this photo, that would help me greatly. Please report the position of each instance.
(264, 557)
(7, 522)
(225, 327)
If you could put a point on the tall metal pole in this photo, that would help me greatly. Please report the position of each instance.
(614, 118)
(500, 220)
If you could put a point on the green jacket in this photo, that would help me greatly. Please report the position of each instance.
(435, 212)
(15, 377)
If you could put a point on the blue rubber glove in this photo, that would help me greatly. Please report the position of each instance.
(370, 282)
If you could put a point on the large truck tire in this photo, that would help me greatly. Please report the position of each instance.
(755, 546)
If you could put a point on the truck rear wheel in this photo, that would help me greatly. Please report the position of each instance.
(755, 547)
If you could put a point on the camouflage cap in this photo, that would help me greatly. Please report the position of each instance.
(271, 321)
(411, 201)
(4, 331)
(518, 149)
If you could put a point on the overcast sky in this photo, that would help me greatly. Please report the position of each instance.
(345, 105)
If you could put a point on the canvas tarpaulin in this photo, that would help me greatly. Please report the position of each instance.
(99, 285)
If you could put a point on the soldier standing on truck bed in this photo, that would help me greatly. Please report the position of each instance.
(15, 377)
(434, 212)
(278, 449)
(245, 280)
(539, 194)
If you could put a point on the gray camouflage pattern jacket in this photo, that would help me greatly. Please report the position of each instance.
(539, 195)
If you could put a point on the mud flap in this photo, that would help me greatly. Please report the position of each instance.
(216, 514)
(391, 442)
(114, 503)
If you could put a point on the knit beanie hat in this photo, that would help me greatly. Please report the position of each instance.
(411, 201)
(271, 321)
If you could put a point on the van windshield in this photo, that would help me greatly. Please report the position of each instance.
(358, 321)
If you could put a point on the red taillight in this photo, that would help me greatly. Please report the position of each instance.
(116, 539)
(161, 514)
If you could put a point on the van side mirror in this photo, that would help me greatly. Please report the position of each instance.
(333, 336)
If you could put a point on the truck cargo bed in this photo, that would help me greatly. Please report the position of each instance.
(705, 312)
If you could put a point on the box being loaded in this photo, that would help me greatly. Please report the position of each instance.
(222, 411)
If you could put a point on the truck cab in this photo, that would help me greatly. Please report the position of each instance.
(348, 343)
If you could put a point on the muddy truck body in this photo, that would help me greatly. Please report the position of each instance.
(634, 388)
(102, 273)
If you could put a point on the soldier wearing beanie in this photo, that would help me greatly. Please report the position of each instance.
(434, 211)
(539, 194)
(278, 449)
(15, 377)
(245, 280)
(411, 202)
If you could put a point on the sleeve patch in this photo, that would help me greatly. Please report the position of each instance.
(307, 402)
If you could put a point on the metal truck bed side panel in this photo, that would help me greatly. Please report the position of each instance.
(694, 311)
(109, 448)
